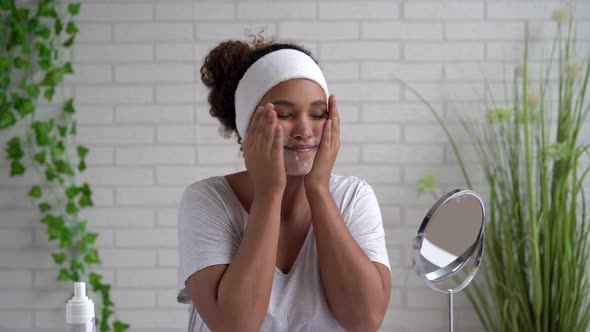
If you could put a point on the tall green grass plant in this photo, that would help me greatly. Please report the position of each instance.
(534, 152)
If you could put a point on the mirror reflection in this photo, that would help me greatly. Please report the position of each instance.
(451, 234)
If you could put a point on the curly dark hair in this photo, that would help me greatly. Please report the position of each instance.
(223, 68)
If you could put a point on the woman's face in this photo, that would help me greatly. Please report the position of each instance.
(301, 108)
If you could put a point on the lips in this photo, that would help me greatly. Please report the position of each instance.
(300, 148)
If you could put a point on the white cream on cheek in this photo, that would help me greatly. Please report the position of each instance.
(296, 162)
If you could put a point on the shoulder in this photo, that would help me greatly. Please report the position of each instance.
(349, 190)
(208, 191)
(348, 184)
(209, 183)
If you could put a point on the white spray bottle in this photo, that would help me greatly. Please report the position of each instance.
(80, 311)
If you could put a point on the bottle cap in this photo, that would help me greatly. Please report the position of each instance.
(79, 309)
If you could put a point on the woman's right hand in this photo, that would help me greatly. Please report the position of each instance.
(263, 152)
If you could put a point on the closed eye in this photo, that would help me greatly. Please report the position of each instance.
(317, 117)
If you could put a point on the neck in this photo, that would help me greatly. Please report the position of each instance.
(295, 207)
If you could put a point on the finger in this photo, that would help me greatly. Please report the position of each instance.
(262, 131)
(270, 127)
(324, 140)
(335, 116)
(277, 146)
(254, 122)
(328, 133)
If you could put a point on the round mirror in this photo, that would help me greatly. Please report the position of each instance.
(449, 244)
(450, 236)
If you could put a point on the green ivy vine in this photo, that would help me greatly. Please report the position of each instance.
(33, 41)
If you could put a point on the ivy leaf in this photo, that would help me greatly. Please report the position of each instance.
(86, 189)
(35, 192)
(69, 41)
(72, 192)
(82, 166)
(42, 132)
(40, 157)
(20, 62)
(63, 275)
(50, 79)
(44, 207)
(71, 208)
(26, 107)
(44, 51)
(71, 28)
(16, 168)
(22, 14)
(59, 258)
(58, 26)
(45, 63)
(94, 279)
(106, 313)
(92, 257)
(62, 131)
(26, 49)
(85, 200)
(7, 119)
(33, 24)
(81, 226)
(90, 238)
(82, 151)
(119, 326)
(66, 238)
(49, 93)
(4, 63)
(67, 68)
(43, 8)
(74, 8)
(18, 36)
(5, 82)
(57, 150)
(64, 167)
(109, 303)
(32, 90)
(43, 32)
(69, 106)
(14, 150)
(106, 301)
(6, 4)
(51, 220)
(54, 232)
(50, 174)
(76, 265)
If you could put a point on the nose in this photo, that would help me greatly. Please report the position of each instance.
(302, 128)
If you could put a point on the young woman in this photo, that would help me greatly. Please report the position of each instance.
(285, 245)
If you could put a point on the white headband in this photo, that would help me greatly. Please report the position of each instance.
(265, 73)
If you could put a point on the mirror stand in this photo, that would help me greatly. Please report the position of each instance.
(450, 240)
(451, 328)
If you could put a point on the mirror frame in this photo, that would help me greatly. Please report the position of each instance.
(451, 269)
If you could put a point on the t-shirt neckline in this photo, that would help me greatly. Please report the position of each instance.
(303, 246)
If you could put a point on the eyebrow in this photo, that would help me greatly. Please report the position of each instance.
(290, 104)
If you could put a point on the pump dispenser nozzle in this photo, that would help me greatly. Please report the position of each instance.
(80, 290)
(80, 310)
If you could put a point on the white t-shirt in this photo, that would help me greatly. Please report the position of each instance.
(212, 223)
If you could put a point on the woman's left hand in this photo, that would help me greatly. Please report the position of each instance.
(327, 150)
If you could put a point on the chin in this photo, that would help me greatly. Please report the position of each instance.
(297, 172)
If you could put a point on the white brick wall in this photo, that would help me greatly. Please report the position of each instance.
(143, 113)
